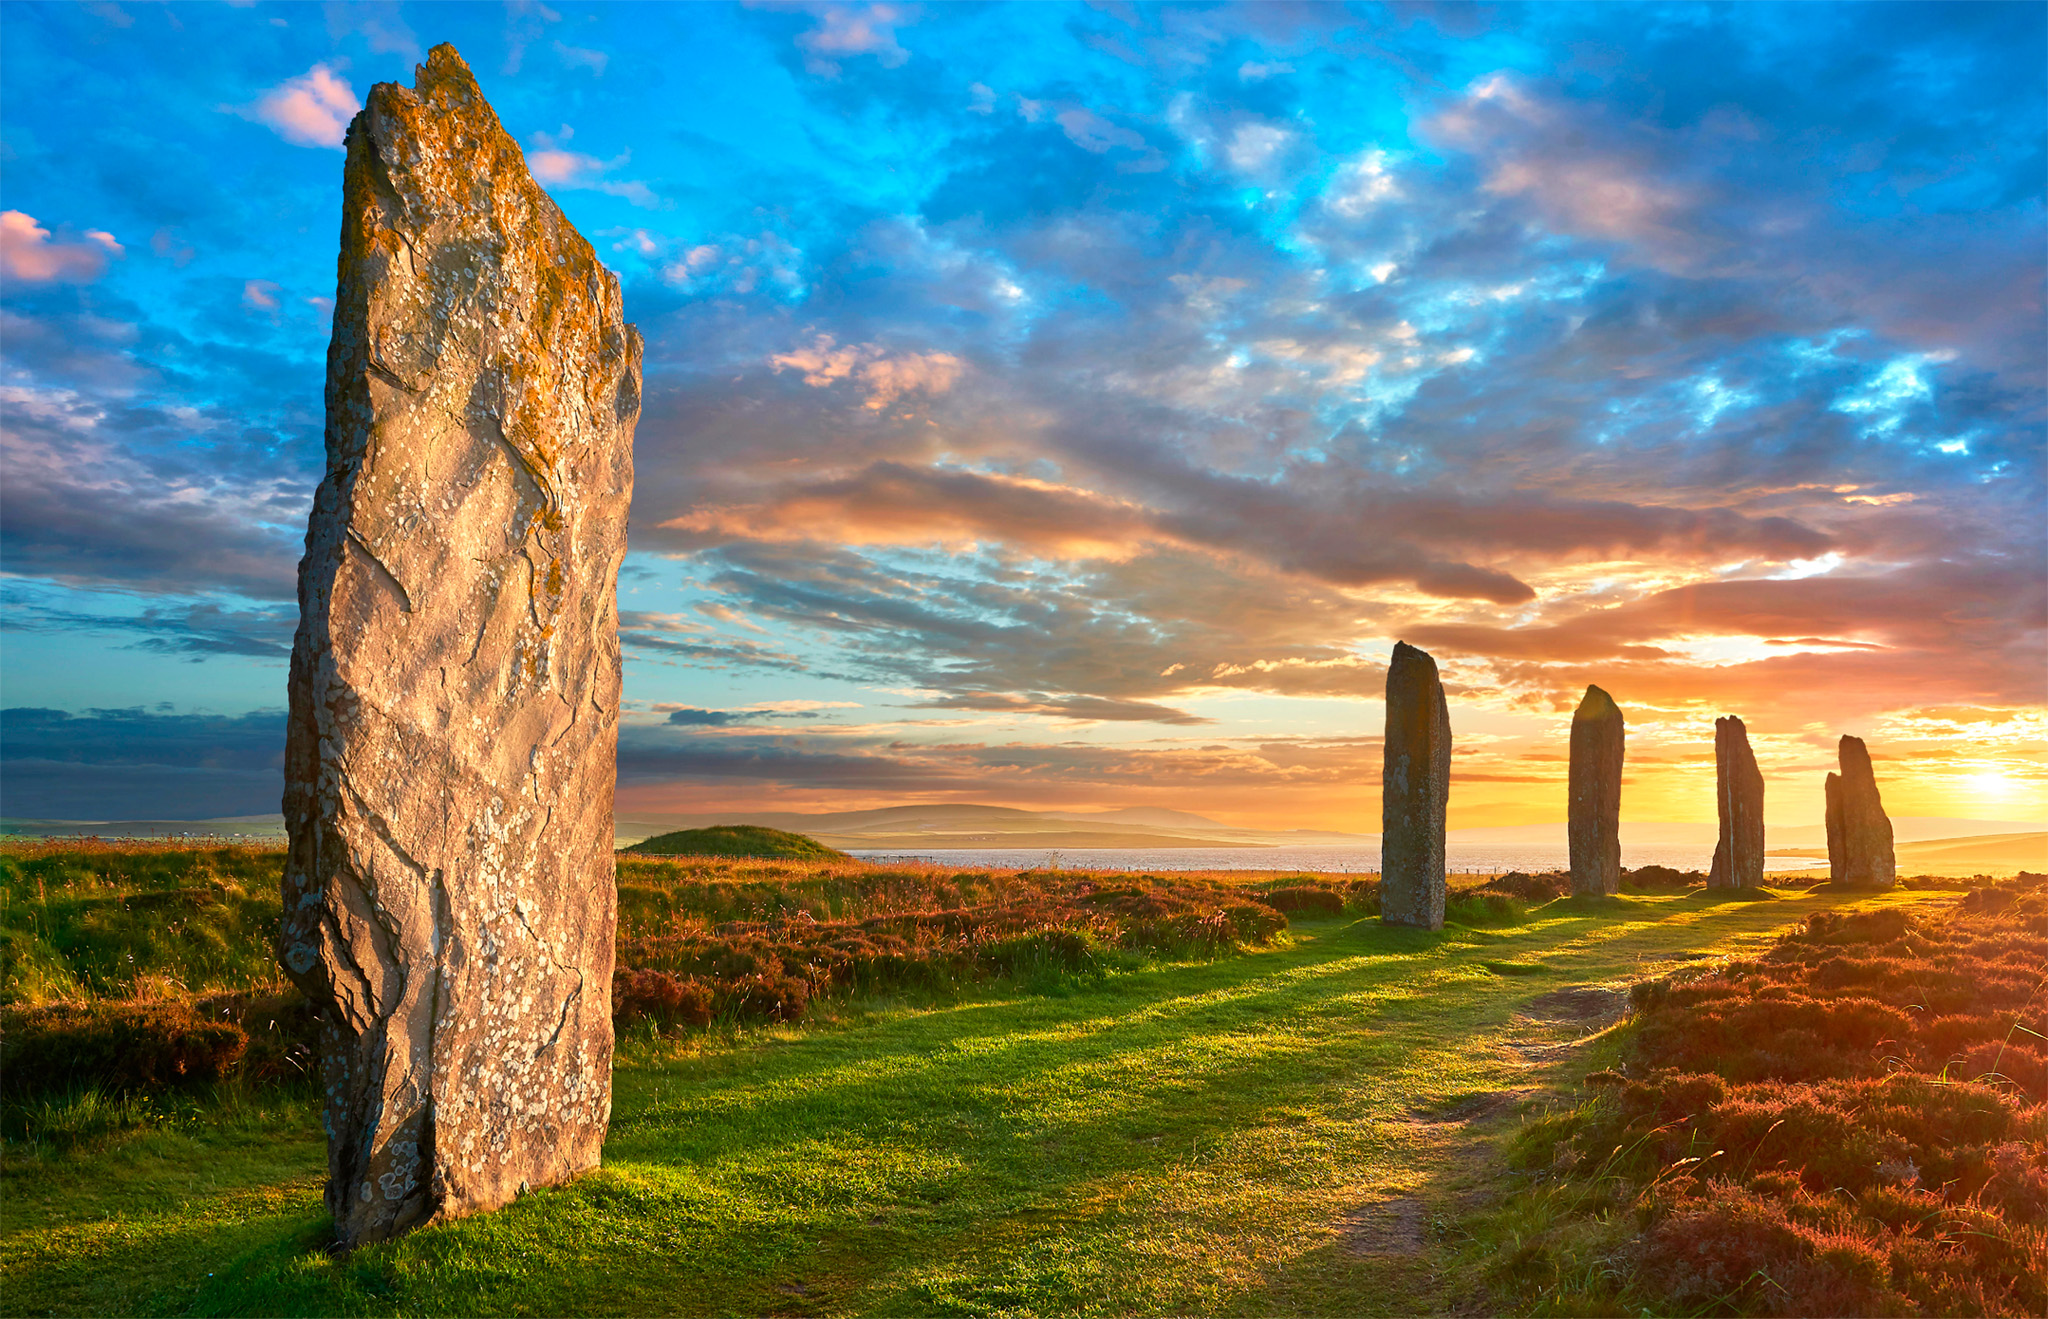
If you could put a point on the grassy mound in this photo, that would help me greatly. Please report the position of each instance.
(735, 840)
(1855, 1122)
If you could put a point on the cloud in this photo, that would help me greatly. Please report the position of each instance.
(1360, 184)
(381, 25)
(1091, 132)
(191, 631)
(854, 29)
(694, 716)
(1679, 343)
(884, 378)
(1701, 195)
(311, 110)
(575, 57)
(81, 506)
(1128, 633)
(1081, 709)
(667, 768)
(1579, 187)
(690, 716)
(673, 637)
(1326, 527)
(140, 765)
(557, 167)
(1253, 147)
(27, 254)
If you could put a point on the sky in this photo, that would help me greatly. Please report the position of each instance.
(1069, 406)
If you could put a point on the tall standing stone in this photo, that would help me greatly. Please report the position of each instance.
(1838, 862)
(1415, 789)
(1739, 791)
(1859, 832)
(449, 896)
(1594, 830)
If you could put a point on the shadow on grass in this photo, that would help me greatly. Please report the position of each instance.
(1713, 896)
(1130, 1147)
(1587, 905)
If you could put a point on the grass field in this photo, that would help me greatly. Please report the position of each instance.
(1299, 1128)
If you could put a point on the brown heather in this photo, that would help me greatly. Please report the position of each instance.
(1854, 1123)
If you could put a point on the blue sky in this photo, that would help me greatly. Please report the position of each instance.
(1066, 405)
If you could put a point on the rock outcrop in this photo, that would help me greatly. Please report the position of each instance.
(1739, 792)
(449, 900)
(1594, 812)
(1415, 789)
(1859, 832)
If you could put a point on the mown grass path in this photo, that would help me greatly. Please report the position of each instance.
(1261, 1135)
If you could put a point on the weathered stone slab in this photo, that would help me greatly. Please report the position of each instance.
(1739, 791)
(1859, 832)
(1415, 789)
(451, 754)
(1594, 814)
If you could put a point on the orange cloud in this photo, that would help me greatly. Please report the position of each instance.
(884, 378)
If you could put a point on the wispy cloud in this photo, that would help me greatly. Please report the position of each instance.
(554, 165)
(850, 29)
(883, 377)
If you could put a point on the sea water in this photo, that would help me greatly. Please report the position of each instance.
(1468, 858)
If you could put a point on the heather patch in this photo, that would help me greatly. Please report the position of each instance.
(1853, 1122)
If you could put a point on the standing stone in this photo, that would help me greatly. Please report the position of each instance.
(1859, 832)
(1838, 862)
(1595, 809)
(1739, 790)
(1414, 791)
(449, 897)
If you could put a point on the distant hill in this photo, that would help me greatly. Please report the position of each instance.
(1152, 815)
(735, 840)
(965, 825)
(1991, 852)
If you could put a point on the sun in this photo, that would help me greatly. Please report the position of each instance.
(1990, 783)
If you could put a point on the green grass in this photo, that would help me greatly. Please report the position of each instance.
(1256, 1134)
(112, 920)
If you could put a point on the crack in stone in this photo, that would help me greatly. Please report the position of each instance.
(355, 538)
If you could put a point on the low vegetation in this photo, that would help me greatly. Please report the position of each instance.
(699, 942)
(107, 920)
(145, 969)
(1274, 1131)
(1057, 1091)
(1853, 1123)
